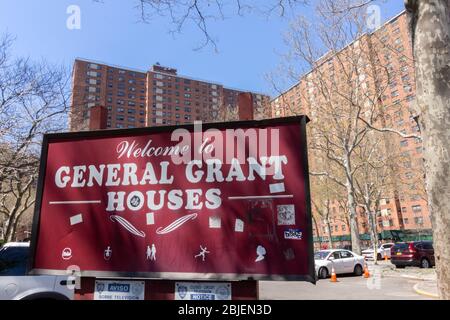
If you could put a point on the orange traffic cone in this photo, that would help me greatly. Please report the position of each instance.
(385, 257)
(366, 271)
(333, 275)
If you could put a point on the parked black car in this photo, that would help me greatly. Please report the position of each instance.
(414, 253)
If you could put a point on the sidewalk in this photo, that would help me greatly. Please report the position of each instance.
(426, 285)
(427, 288)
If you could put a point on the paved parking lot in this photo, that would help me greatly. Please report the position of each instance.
(347, 288)
(385, 283)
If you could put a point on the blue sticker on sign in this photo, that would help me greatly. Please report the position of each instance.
(118, 287)
(294, 234)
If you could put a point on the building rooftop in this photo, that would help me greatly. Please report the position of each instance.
(166, 71)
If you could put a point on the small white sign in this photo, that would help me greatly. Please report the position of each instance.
(202, 291)
(119, 290)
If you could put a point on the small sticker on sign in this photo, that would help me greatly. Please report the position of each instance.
(76, 219)
(239, 225)
(293, 234)
(150, 218)
(286, 214)
(289, 254)
(276, 187)
(214, 222)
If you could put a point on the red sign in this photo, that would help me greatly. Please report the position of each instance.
(225, 201)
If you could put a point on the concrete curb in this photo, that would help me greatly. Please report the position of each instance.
(424, 293)
(415, 278)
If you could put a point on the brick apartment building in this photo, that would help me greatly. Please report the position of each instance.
(405, 209)
(160, 96)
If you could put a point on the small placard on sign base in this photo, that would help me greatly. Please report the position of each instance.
(202, 291)
(119, 290)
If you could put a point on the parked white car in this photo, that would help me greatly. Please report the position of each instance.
(16, 285)
(384, 249)
(343, 261)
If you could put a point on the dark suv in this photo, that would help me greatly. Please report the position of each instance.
(414, 253)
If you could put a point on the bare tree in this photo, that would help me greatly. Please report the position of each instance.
(342, 90)
(321, 199)
(33, 100)
(374, 180)
(201, 13)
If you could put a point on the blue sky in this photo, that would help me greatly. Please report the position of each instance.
(111, 32)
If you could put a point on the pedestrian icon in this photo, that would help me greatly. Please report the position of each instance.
(108, 253)
(151, 252)
(203, 252)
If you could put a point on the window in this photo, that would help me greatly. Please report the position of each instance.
(410, 98)
(417, 209)
(404, 143)
(428, 245)
(346, 254)
(94, 66)
(13, 261)
(404, 209)
(418, 220)
(406, 221)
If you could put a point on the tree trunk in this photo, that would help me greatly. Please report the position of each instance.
(354, 230)
(430, 26)
(373, 235)
(317, 231)
(330, 242)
